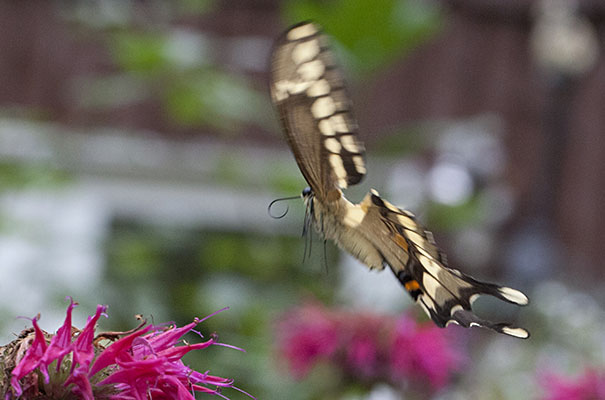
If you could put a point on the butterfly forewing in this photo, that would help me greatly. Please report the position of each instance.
(309, 93)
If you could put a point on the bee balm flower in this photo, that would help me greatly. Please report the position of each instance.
(144, 364)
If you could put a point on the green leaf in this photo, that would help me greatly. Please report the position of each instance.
(139, 51)
(217, 99)
(445, 218)
(372, 32)
(18, 175)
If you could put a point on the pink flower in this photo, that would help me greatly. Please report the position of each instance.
(364, 342)
(368, 347)
(362, 355)
(307, 335)
(423, 352)
(142, 365)
(589, 386)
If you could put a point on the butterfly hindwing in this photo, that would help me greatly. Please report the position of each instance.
(309, 93)
(410, 251)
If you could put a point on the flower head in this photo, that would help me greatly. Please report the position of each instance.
(146, 363)
(368, 347)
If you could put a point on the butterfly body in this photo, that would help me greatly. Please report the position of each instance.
(338, 220)
(309, 94)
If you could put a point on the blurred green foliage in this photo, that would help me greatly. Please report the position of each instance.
(140, 52)
(216, 99)
(402, 141)
(18, 175)
(373, 32)
(442, 217)
(179, 66)
(179, 274)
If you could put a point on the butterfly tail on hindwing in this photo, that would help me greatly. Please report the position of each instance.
(446, 294)
(458, 292)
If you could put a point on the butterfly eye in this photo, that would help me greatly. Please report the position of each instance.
(306, 192)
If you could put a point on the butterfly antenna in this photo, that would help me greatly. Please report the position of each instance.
(287, 207)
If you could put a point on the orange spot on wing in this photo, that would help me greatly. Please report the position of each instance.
(400, 240)
(411, 286)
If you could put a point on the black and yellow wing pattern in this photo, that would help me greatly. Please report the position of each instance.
(308, 91)
(309, 94)
(410, 251)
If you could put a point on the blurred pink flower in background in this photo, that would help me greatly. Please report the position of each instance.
(423, 351)
(312, 335)
(362, 356)
(362, 352)
(588, 386)
(145, 364)
(368, 347)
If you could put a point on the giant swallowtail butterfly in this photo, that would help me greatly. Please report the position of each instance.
(308, 91)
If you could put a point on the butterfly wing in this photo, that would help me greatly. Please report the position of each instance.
(308, 91)
(410, 251)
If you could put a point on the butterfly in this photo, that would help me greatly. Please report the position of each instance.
(309, 94)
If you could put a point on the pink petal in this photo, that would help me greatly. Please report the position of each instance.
(176, 353)
(129, 372)
(182, 391)
(83, 388)
(169, 337)
(83, 348)
(118, 349)
(60, 344)
(32, 358)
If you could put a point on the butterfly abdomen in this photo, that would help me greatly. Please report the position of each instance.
(336, 221)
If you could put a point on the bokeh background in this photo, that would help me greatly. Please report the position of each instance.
(139, 152)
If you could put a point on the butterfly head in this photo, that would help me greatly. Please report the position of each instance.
(308, 197)
(307, 193)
